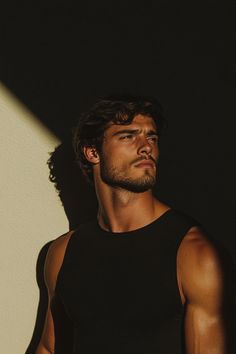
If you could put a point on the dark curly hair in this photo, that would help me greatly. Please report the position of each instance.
(116, 109)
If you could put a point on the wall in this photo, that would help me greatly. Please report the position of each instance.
(31, 215)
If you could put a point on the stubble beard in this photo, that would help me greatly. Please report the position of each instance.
(116, 178)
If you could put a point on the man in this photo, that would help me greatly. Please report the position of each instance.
(143, 277)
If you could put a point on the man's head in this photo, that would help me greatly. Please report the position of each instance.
(119, 137)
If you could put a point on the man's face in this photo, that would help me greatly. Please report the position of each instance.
(128, 159)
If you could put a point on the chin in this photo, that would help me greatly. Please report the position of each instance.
(134, 181)
(139, 185)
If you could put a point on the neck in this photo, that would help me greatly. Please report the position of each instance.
(121, 210)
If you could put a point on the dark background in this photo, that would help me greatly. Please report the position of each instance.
(59, 56)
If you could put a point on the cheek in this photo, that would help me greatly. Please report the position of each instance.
(117, 162)
(122, 156)
(118, 153)
(111, 158)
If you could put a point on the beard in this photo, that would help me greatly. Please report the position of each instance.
(117, 178)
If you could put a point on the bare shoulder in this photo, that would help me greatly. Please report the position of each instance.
(200, 265)
(54, 259)
(198, 248)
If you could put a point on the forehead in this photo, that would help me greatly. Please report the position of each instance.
(139, 122)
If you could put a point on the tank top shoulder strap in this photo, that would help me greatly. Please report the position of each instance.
(178, 223)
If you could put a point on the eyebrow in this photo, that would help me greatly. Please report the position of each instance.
(133, 131)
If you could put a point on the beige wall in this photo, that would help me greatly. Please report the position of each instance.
(31, 214)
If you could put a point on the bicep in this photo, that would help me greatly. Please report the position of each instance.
(52, 266)
(47, 342)
(203, 282)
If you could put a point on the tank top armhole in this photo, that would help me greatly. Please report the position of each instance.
(63, 260)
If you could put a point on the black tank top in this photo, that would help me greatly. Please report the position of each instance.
(117, 293)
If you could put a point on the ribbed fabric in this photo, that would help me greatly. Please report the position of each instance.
(117, 293)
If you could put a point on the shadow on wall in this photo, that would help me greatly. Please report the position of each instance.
(80, 204)
(77, 196)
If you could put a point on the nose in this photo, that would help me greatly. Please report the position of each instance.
(145, 147)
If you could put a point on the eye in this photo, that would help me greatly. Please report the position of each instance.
(153, 138)
(126, 137)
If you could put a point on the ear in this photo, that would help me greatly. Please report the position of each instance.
(91, 154)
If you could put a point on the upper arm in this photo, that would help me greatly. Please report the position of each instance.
(205, 290)
(52, 267)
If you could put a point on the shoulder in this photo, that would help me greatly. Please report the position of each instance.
(54, 259)
(200, 265)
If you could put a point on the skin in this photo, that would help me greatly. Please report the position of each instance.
(199, 271)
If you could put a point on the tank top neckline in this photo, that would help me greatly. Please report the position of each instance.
(139, 230)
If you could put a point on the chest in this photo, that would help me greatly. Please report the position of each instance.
(124, 279)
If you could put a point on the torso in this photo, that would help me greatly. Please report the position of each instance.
(81, 244)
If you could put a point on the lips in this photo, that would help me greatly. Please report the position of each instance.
(145, 164)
